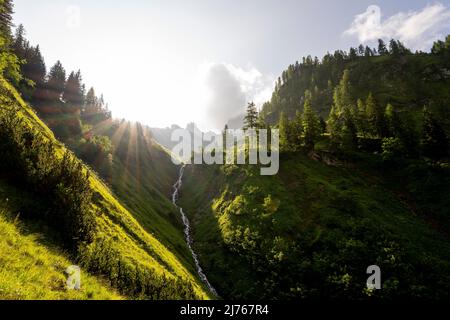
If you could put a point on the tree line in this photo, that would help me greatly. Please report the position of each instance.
(56, 95)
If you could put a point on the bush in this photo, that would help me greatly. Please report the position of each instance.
(61, 182)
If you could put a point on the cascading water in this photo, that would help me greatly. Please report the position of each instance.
(187, 233)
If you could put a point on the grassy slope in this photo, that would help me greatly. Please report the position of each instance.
(115, 223)
(31, 266)
(324, 226)
(143, 177)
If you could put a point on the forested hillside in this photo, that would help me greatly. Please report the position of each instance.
(364, 179)
(311, 231)
(392, 73)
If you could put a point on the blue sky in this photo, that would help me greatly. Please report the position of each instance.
(164, 62)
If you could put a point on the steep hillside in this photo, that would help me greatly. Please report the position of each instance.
(31, 265)
(104, 237)
(142, 178)
(310, 232)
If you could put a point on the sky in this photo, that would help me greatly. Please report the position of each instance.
(165, 62)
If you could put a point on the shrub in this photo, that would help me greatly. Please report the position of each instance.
(61, 182)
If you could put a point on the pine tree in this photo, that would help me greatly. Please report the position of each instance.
(90, 103)
(342, 103)
(6, 12)
(297, 130)
(361, 121)
(311, 125)
(375, 117)
(382, 50)
(56, 81)
(393, 124)
(35, 69)
(368, 52)
(352, 53)
(283, 127)
(251, 117)
(349, 131)
(393, 47)
(74, 92)
(18, 45)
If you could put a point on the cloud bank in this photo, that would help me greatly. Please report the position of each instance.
(230, 88)
(416, 29)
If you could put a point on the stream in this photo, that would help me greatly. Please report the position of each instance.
(187, 232)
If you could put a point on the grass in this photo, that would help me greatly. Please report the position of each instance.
(114, 223)
(142, 178)
(31, 266)
(309, 231)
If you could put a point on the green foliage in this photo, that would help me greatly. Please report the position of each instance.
(104, 237)
(310, 125)
(62, 182)
(283, 126)
(6, 20)
(9, 63)
(33, 267)
(396, 76)
(435, 143)
(97, 151)
(251, 117)
(56, 82)
(310, 232)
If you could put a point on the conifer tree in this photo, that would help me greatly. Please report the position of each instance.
(311, 125)
(283, 127)
(361, 121)
(382, 50)
(6, 12)
(251, 117)
(56, 81)
(393, 124)
(375, 117)
(74, 92)
(349, 130)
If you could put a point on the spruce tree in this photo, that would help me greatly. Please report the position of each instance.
(35, 69)
(393, 125)
(251, 117)
(382, 50)
(283, 127)
(6, 12)
(349, 130)
(361, 121)
(56, 81)
(311, 125)
(74, 92)
(375, 117)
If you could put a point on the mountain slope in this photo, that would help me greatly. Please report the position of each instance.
(31, 266)
(310, 232)
(132, 259)
(407, 81)
(142, 178)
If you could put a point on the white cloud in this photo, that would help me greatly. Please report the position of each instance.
(417, 29)
(229, 89)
